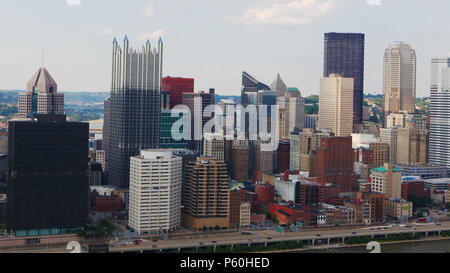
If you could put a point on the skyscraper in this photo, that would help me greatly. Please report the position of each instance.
(135, 110)
(439, 112)
(160, 208)
(399, 87)
(106, 122)
(344, 55)
(47, 179)
(41, 96)
(336, 104)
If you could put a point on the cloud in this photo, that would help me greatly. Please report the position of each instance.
(73, 2)
(288, 12)
(374, 2)
(155, 35)
(107, 32)
(149, 10)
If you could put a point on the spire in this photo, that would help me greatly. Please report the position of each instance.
(279, 86)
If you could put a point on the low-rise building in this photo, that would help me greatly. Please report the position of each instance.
(245, 212)
(399, 208)
(439, 184)
(424, 171)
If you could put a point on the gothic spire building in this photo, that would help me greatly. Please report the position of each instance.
(41, 96)
(135, 112)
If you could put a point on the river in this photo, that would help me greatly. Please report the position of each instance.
(436, 246)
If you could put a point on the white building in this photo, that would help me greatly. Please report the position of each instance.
(155, 191)
(363, 140)
(336, 104)
(439, 113)
(214, 146)
(245, 213)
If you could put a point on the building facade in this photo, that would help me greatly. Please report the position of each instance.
(344, 55)
(47, 176)
(336, 94)
(155, 191)
(207, 195)
(399, 79)
(439, 114)
(135, 110)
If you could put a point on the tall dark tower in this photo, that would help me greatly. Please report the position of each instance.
(47, 178)
(344, 55)
(135, 107)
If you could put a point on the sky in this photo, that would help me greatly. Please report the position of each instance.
(213, 40)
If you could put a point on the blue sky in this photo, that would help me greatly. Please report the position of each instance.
(213, 40)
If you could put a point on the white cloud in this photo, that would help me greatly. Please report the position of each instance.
(290, 12)
(107, 32)
(155, 35)
(149, 10)
(374, 2)
(73, 2)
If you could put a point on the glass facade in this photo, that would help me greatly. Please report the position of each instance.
(344, 55)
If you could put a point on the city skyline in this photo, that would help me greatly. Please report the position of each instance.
(212, 44)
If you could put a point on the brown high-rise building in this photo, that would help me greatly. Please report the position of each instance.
(207, 194)
(239, 166)
(335, 163)
(283, 155)
(41, 96)
(380, 154)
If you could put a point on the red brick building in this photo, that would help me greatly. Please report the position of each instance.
(416, 188)
(335, 163)
(265, 193)
(106, 203)
(287, 215)
(237, 197)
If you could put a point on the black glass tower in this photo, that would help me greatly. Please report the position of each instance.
(344, 55)
(47, 177)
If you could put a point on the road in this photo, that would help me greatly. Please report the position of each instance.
(259, 237)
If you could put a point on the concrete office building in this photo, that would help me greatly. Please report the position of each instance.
(336, 94)
(155, 191)
(399, 88)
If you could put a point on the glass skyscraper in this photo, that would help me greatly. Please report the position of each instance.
(439, 153)
(135, 110)
(344, 55)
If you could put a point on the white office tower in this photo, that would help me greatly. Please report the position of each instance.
(155, 191)
(336, 105)
(439, 153)
(399, 87)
